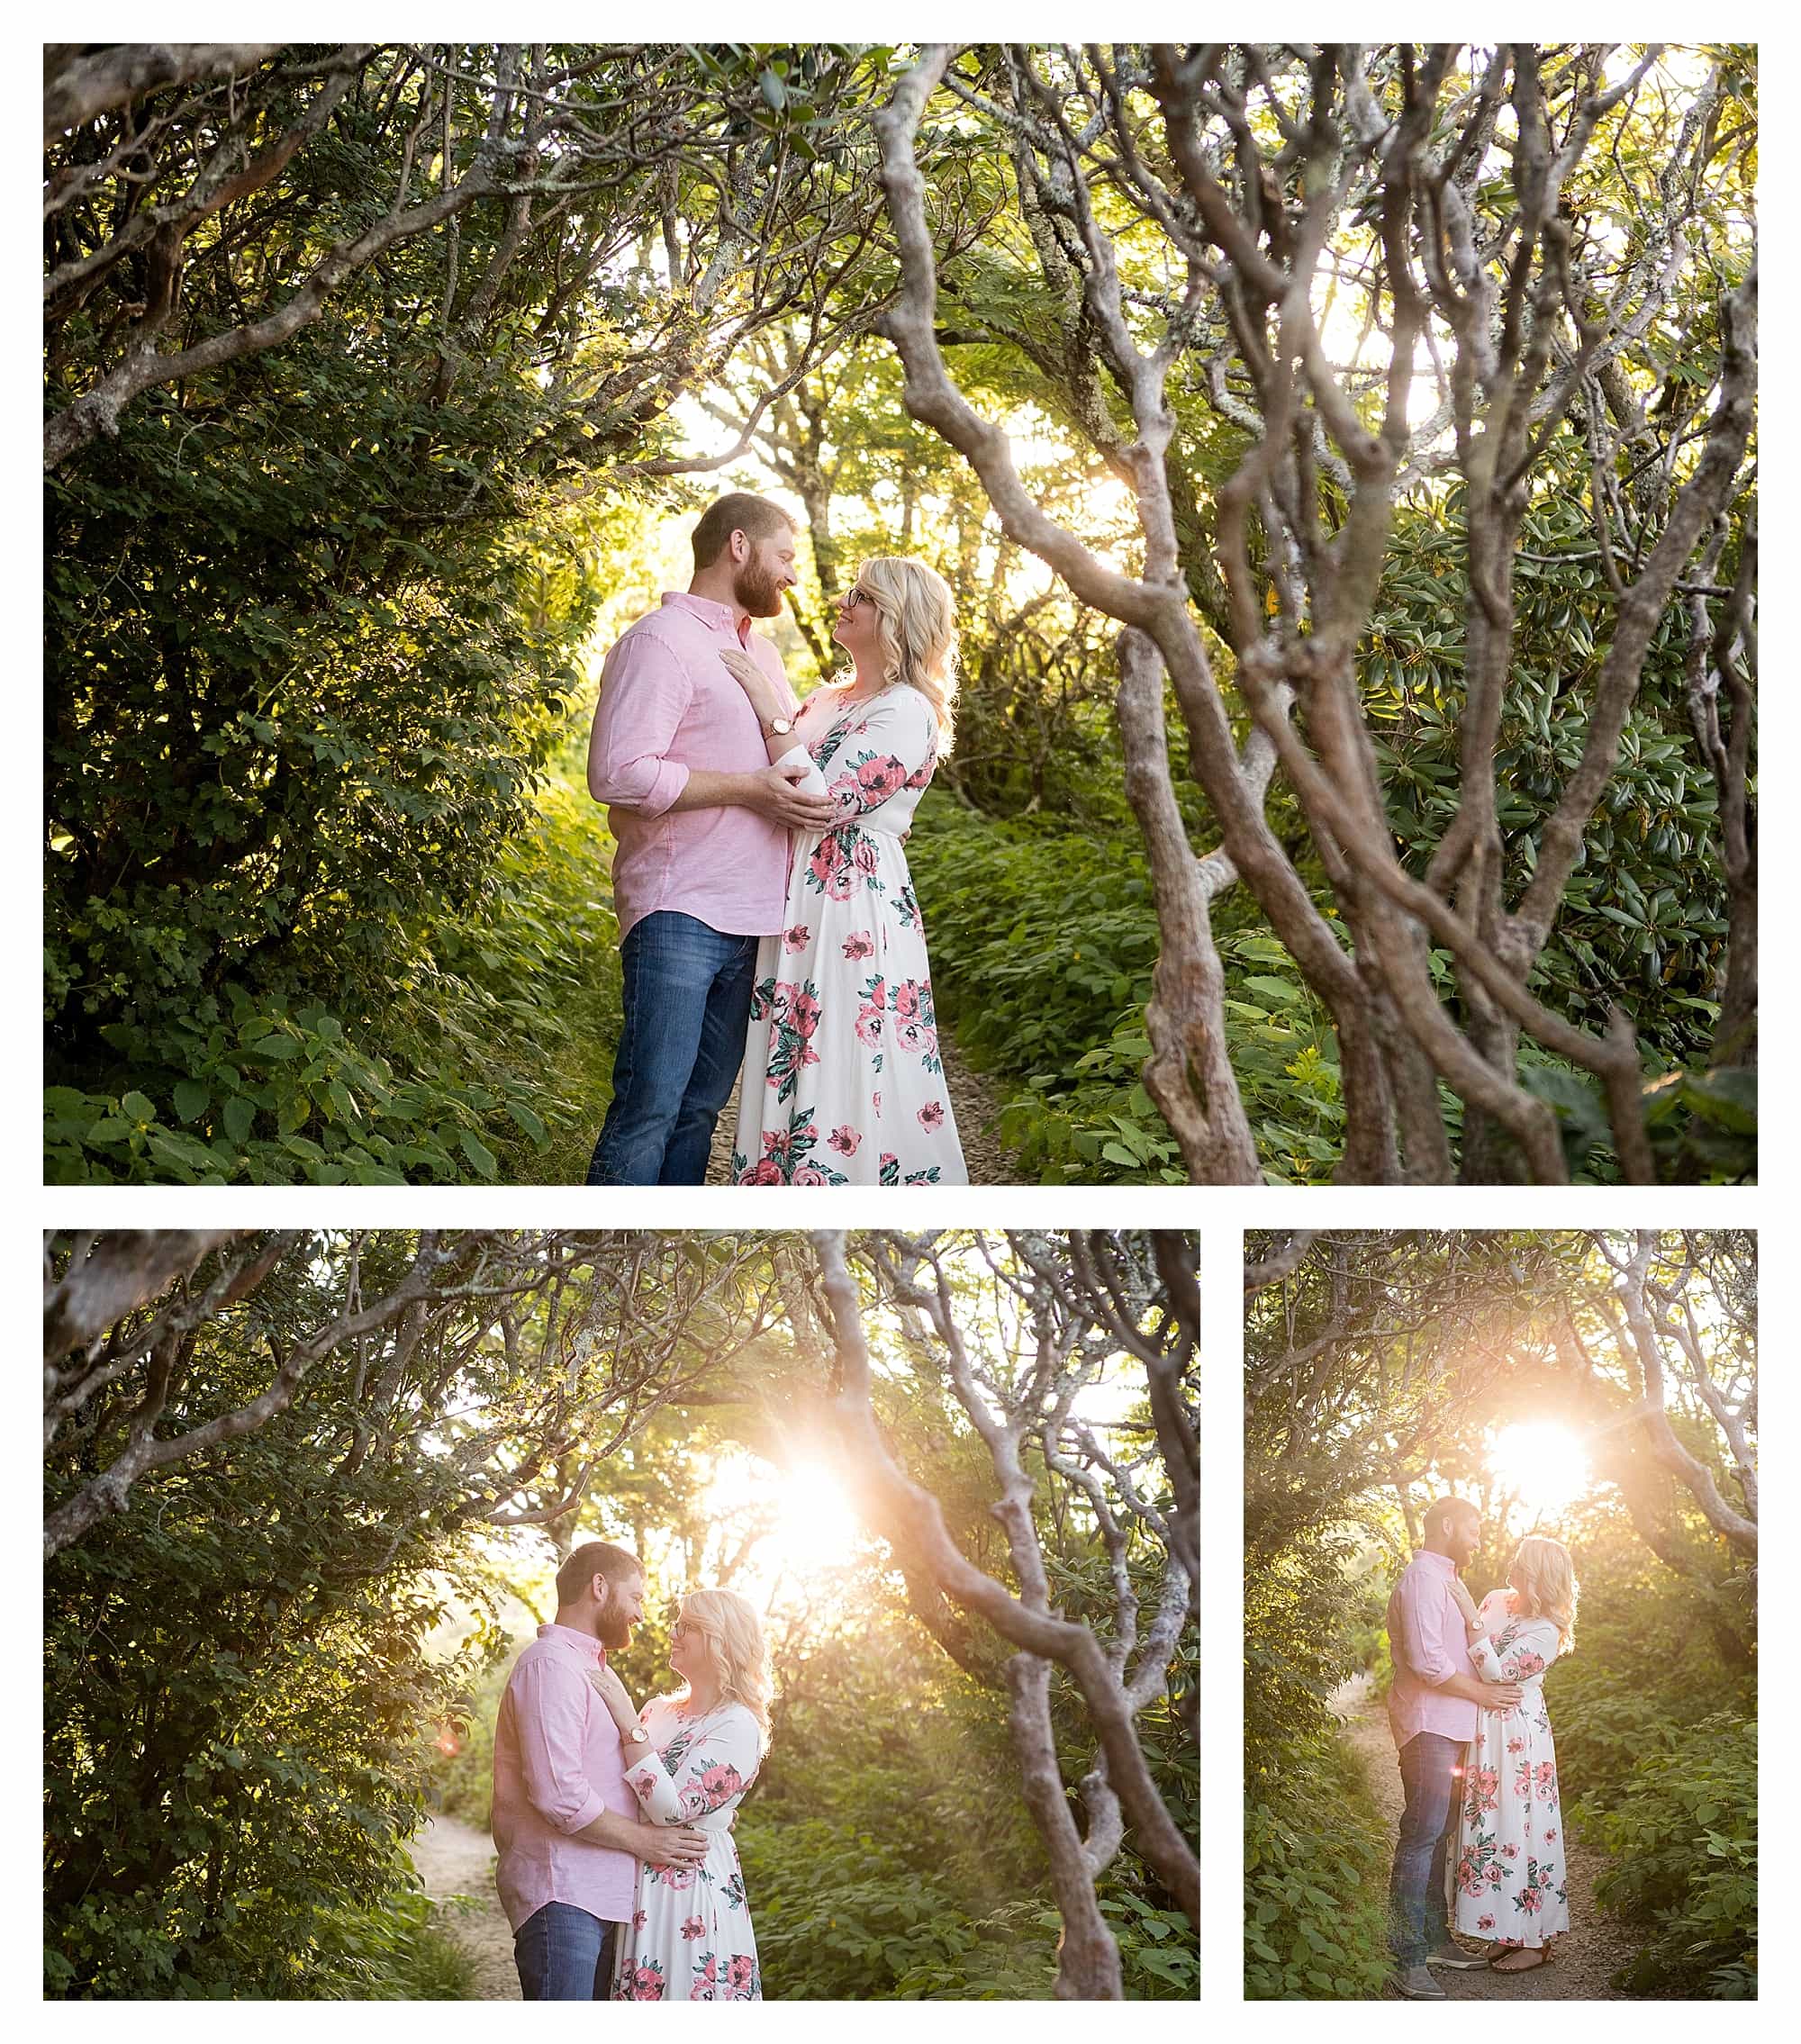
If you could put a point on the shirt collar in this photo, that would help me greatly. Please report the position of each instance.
(719, 616)
(586, 1642)
(1442, 1564)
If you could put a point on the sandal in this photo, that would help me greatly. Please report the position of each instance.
(1543, 1959)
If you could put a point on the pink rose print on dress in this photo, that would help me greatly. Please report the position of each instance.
(845, 1140)
(864, 857)
(880, 778)
(1530, 1899)
(859, 945)
(1524, 1665)
(702, 1987)
(1484, 1788)
(1485, 1922)
(1517, 1745)
(1512, 1851)
(843, 794)
(741, 1971)
(805, 1010)
(907, 1000)
(795, 938)
(672, 1877)
(1551, 1838)
(868, 1022)
(638, 1919)
(720, 1782)
(1545, 1780)
(932, 1116)
(831, 870)
(647, 1984)
(693, 1928)
(765, 1170)
(808, 1174)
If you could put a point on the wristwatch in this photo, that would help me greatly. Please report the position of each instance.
(778, 727)
(638, 1735)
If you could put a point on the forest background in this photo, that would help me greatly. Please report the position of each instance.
(1344, 460)
(306, 1493)
(1599, 1387)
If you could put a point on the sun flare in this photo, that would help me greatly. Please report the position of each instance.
(804, 1522)
(1543, 1463)
(819, 1527)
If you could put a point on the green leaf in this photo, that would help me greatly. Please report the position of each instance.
(191, 1099)
(479, 1155)
(529, 1123)
(240, 1114)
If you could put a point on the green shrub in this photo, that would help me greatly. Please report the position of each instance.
(1043, 937)
(1315, 1880)
(841, 1915)
(452, 1076)
(1682, 1842)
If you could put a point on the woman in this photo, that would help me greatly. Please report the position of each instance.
(1510, 1862)
(843, 1084)
(689, 1937)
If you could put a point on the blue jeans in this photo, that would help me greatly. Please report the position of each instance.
(687, 1007)
(1431, 1776)
(564, 1955)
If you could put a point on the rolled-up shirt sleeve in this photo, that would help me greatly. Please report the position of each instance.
(644, 693)
(1420, 1604)
(552, 1709)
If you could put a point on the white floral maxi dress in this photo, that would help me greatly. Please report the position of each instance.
(689, 1937)
(843, 1082)
(1510, 1872)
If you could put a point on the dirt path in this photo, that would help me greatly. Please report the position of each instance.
(973, 1102)
(454, 1859)
(1596, 1946)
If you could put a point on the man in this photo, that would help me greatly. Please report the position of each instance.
(1433, 1712)
(701, 821)
(563, 1821)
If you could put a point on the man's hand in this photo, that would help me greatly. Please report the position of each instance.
(670, 1845)
(1500, 1696)
(771, 794)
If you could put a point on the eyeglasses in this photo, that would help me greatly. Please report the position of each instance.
(855, 596)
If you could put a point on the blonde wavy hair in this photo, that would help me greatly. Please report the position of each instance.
(916, 629)
(734, 1645)
(1544, 1577)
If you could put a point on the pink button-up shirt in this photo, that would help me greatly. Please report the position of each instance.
(556, 1766)
(668, 705)
(1427, 1641)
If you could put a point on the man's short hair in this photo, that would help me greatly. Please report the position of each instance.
(756, 517)
(1435, 1514)
(594, 1558)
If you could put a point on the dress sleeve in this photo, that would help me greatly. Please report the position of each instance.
(1531, 1653)
(895, 746)
(720, 1765)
